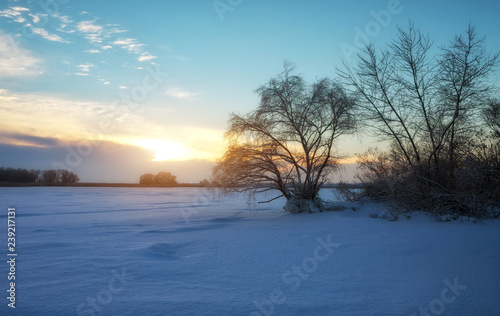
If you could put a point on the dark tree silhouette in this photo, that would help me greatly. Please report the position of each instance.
(10, 175)
(58, 176)
(429, 107)
(147, 179)
(161, 178)
(49, 176)
(67, 177)
(165, 178)
(205, 183)
(492, 117)
(18, 175)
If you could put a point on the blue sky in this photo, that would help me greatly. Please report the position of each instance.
(156, 80)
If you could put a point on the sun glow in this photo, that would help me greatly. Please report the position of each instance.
(166, 150)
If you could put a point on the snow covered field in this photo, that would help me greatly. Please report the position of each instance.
(175, 251)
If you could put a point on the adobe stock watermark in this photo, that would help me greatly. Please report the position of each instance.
(120, 108)
(224, 6)
(381, 19)
(292, 278)
(104, 297)
(449, 294)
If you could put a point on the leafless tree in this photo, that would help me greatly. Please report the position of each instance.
(492, 117)
(287, 143)
(49, 176)
(67, 177)
(427, 105)
(464, 68)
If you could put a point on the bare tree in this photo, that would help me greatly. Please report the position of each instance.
(287, 143)
(423, 104)
(464, 69)
(58, 176)
(428, 106)
(492, 117)
(393, 87)
(49, 176)
(67, 177)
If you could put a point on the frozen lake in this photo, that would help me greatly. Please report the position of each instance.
(177, 251)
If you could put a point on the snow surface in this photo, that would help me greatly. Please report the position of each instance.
(177, 251)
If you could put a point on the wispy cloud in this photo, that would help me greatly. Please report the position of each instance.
(92, 32)
(21, 14)
(43, 33)
(132, 46)
(64, 118)
(21, 139)
(16, 61)
(37, 17)
(15, 13)
(84, 69)
(57, 27)
(180, 93)
(89, 27)
(66, 23)
(96, 33)
(146, 57)
(129, 44)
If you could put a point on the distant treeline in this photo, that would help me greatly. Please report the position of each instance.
(20, 175)
(161, 178)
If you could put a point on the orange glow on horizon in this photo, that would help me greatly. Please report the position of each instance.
(165, 150)
(348, 160)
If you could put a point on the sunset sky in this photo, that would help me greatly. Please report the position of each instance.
(114, 89)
